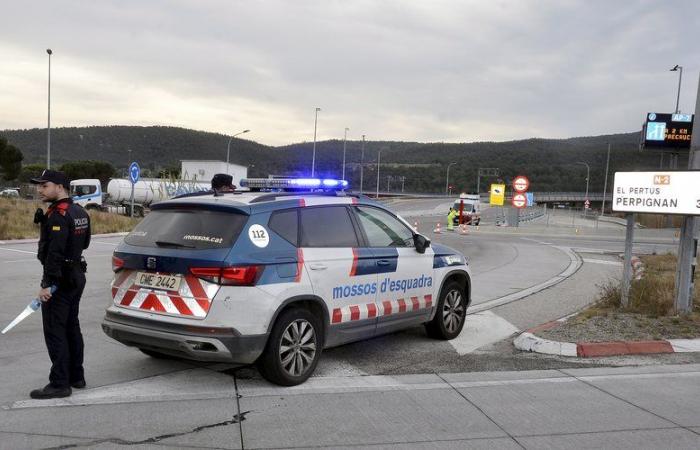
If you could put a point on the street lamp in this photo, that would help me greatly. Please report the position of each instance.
(313, 156)
(345, 139)
(48, 127)
(588, 173)
(678, 69)
(379, 158)
(362, 162)
(447, 178)
(228, 148)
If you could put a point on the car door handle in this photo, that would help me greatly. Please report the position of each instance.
(318, 266)
(383, 262)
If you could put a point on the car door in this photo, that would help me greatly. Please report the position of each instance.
(337, 266)
(406, 288)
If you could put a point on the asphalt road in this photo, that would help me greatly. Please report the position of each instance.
(130, 391)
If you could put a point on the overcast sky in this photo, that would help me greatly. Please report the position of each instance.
(452, 71)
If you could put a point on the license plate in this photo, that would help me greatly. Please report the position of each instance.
(158, 281)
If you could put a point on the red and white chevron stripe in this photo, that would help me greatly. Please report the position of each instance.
(193, 299)
(385, 308)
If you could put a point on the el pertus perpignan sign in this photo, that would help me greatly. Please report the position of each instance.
(657, 192)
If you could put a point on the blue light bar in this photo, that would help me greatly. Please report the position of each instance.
(294, 184)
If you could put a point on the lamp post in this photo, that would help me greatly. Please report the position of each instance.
(345, 139)
(228, 147)
(447, 178)
(678, 69)
(379, 159)
(362, 162)
(48, 127)
(313, 156)
(605, 185)
(588, 174)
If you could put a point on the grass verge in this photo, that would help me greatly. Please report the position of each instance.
(16, 220)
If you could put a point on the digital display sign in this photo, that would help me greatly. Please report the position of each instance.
(664, 131)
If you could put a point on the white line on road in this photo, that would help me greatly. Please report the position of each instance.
(482, 329)
(18, 251)
(113, 244)
(602, 261)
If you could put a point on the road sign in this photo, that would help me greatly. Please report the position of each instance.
(498, 194)
(519, 200)
(521, 184)
(530, 198)
(657, 192)
(134, 172)
(670, 132)
(587, 204)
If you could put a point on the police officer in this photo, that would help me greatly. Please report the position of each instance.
(222, 182)
(65, 233)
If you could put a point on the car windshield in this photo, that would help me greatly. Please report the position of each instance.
(187, 228)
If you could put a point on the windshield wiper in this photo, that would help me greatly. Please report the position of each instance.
(172, 244)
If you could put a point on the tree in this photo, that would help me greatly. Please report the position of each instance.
(74, 170)
(30, 171)
(10, 160)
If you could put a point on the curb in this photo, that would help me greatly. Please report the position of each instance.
(35, 240)
(528, 342)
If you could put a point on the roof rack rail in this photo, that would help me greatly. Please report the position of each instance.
(208, 192)
(275, 195)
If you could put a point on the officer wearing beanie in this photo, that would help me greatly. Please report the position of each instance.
(65, 233)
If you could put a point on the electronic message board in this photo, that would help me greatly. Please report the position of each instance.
(670, 132)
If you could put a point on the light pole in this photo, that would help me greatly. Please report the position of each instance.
(605, 186)
(345, 140)
(362, 162)
(228, 147)
(678, 69)
(313, 156)
(588, 173)
(447, 178)
(48, 127)
(379, 159)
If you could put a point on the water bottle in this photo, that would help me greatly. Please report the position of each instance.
(35, 304)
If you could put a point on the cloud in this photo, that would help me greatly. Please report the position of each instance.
(395, 70)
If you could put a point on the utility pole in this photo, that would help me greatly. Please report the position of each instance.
(362, 162)
(688, 247)
(345, 140)
(447, 178)
(605, 186)
(379, 160)
(388, 183)
(48, 126)
(313, 155)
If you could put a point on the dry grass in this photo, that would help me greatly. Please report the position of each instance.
(16, 220)
(652, 296)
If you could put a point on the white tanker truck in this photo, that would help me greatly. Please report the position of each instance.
(88, 193)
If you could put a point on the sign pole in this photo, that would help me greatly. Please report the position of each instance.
(627, 271)
(131, 210)
(687, 250)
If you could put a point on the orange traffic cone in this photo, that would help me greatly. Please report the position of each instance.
(437, 230)
(463, 229)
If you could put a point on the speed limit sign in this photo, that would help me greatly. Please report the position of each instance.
(521, 184)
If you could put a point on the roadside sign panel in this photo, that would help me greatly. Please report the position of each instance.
(498, 194)
(530, 198)
(664, 131)
(134, 172)
(587, 204)
(521, 184)
(519, 200)
(657, 192)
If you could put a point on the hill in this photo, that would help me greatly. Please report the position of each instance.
(551, 164)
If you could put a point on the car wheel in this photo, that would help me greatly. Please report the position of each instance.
(293, 349)
(451, 313)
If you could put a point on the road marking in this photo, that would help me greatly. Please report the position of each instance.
(18, 251)
(482, 329)
(105, 243)
(602, 261)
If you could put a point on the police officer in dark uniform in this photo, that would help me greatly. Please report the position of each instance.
(65, 233)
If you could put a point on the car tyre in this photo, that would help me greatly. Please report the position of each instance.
(451, 313)
(293, 348)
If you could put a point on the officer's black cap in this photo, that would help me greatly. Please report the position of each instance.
(53, 176)
(221, 180)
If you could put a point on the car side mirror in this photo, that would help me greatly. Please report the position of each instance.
(420, 242)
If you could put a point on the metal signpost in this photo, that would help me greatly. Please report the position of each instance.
(134, 173)
(520, 185)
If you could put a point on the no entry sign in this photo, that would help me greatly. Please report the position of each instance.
(519, 200)
(521, 184)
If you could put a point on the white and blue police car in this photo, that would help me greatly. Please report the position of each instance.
(276, 274)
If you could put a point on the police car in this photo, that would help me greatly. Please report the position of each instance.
(273, 278)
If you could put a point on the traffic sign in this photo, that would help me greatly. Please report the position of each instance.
(134, 172)
(521, 184)
(519, 200)
(587, 204)
(498, 194)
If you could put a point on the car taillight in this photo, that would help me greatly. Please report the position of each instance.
(117, 263)
(229, 276)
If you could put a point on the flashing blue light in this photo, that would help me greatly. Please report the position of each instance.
(331, 183)
(307, 182)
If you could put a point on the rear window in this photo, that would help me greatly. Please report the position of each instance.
(187, 228)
